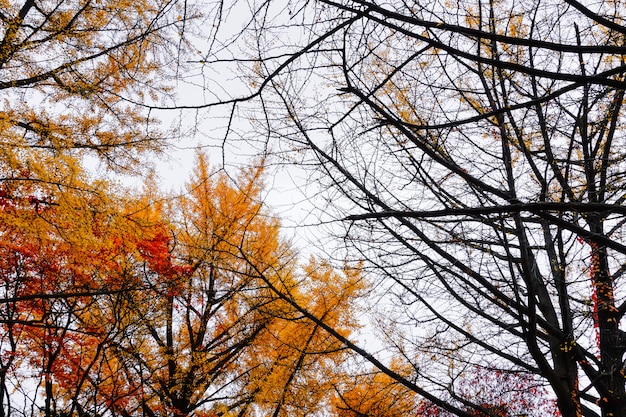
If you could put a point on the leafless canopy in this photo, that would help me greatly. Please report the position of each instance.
(474, 152)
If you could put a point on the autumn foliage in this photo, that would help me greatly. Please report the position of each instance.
(162, 306)
(471, 151)
(120, 303)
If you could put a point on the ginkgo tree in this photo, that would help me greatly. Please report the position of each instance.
(75, 74)
(211, 337)
(162, 306)
(196, 319)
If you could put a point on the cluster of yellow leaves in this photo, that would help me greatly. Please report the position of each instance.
(301, 362)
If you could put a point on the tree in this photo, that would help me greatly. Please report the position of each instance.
(216, 340)
(196, 321)
(161, 308)
(61, 251)
(473, 153)
(72, 75)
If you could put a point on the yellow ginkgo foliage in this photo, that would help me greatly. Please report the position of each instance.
(296, 363)
(374, 395)
(204, 331)
(74, 74)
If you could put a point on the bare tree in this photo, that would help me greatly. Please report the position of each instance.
(474, 153)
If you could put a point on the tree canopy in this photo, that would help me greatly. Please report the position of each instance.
(468, 155)
(162, 306)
